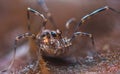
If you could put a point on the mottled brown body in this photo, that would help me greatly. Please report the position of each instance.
(52, 43)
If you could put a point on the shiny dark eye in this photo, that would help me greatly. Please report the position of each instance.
(53, 34)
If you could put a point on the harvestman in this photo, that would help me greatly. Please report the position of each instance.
(52, 42)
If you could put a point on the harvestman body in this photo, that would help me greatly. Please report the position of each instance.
(52, 42)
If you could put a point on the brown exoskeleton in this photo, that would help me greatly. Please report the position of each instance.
(52, 42)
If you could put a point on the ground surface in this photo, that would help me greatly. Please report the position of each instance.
(109, 63)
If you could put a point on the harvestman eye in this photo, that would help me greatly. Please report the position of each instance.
(53, 34)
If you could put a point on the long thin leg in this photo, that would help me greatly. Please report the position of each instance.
(28, 18)
(49, 15)
(72, 20)
(84, 18)
(25, 35)
(85, 34)
(68, 23)
(36, 13)
(96, 54)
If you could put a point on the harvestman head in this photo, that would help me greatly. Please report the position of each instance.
(52, 42)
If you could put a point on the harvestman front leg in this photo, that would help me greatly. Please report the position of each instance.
(22, 36)
(68, 23)
(84, 18)
(38, 14)
(85, 34)
(71, 20)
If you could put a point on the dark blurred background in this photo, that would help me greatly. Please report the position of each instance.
(105, 26)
